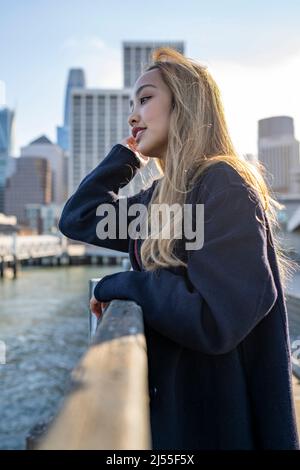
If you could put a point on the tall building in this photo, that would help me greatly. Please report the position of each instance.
(98, 121)
(278, 150)
(43, 219)
(76, 79)
(6, 148)
(30, 184)
(137, 54)
(44, 148)
(65, 174)
(11, 166)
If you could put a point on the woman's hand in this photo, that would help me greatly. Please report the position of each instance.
(97, 307)
(130, 142)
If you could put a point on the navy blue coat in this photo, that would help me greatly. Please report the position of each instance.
(217, 332)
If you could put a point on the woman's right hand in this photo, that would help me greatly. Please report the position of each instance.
(130, 143)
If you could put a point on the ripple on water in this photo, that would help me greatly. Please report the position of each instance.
(44, 323)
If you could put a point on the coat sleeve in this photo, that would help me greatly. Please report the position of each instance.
(228, 288)
(79, 220)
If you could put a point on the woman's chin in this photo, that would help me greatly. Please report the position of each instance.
(142, 148)
(146, 149)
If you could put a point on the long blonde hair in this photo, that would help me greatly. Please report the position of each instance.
(198, 138)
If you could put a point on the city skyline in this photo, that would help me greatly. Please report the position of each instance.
(257, 74)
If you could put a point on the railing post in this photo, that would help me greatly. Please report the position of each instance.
(93, 321)
(15, 255)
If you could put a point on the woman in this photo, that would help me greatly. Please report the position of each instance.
(215, 316)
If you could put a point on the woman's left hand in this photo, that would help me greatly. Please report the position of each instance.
(97, 306)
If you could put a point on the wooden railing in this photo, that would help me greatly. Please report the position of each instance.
(108, 406)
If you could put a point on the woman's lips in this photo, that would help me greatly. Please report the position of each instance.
(139, 134)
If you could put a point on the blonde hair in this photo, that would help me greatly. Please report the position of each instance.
(198, 138)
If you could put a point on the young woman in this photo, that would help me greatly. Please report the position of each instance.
(215, 316)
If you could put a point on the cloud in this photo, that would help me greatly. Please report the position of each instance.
(251, 93)
(86, 43)
(102, 63)
(262, 44)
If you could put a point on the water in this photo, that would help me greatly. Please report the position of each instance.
(44, 324)
(294, 284)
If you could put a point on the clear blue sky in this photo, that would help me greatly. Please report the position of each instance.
(243, 41)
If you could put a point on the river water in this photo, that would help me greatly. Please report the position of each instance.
(44, 325)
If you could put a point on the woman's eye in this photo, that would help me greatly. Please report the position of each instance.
(141, 100)
(144, 98)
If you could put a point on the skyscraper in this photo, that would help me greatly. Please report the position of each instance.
(31, 183)
(278, 150)
(76, 79)
(136, 54)
(98, 121)
(43, 147)
(6, 145)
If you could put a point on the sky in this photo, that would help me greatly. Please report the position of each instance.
(251, 48)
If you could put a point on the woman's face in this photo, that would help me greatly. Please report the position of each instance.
(151, 109)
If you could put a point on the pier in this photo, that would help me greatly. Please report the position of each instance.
(51, 250)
